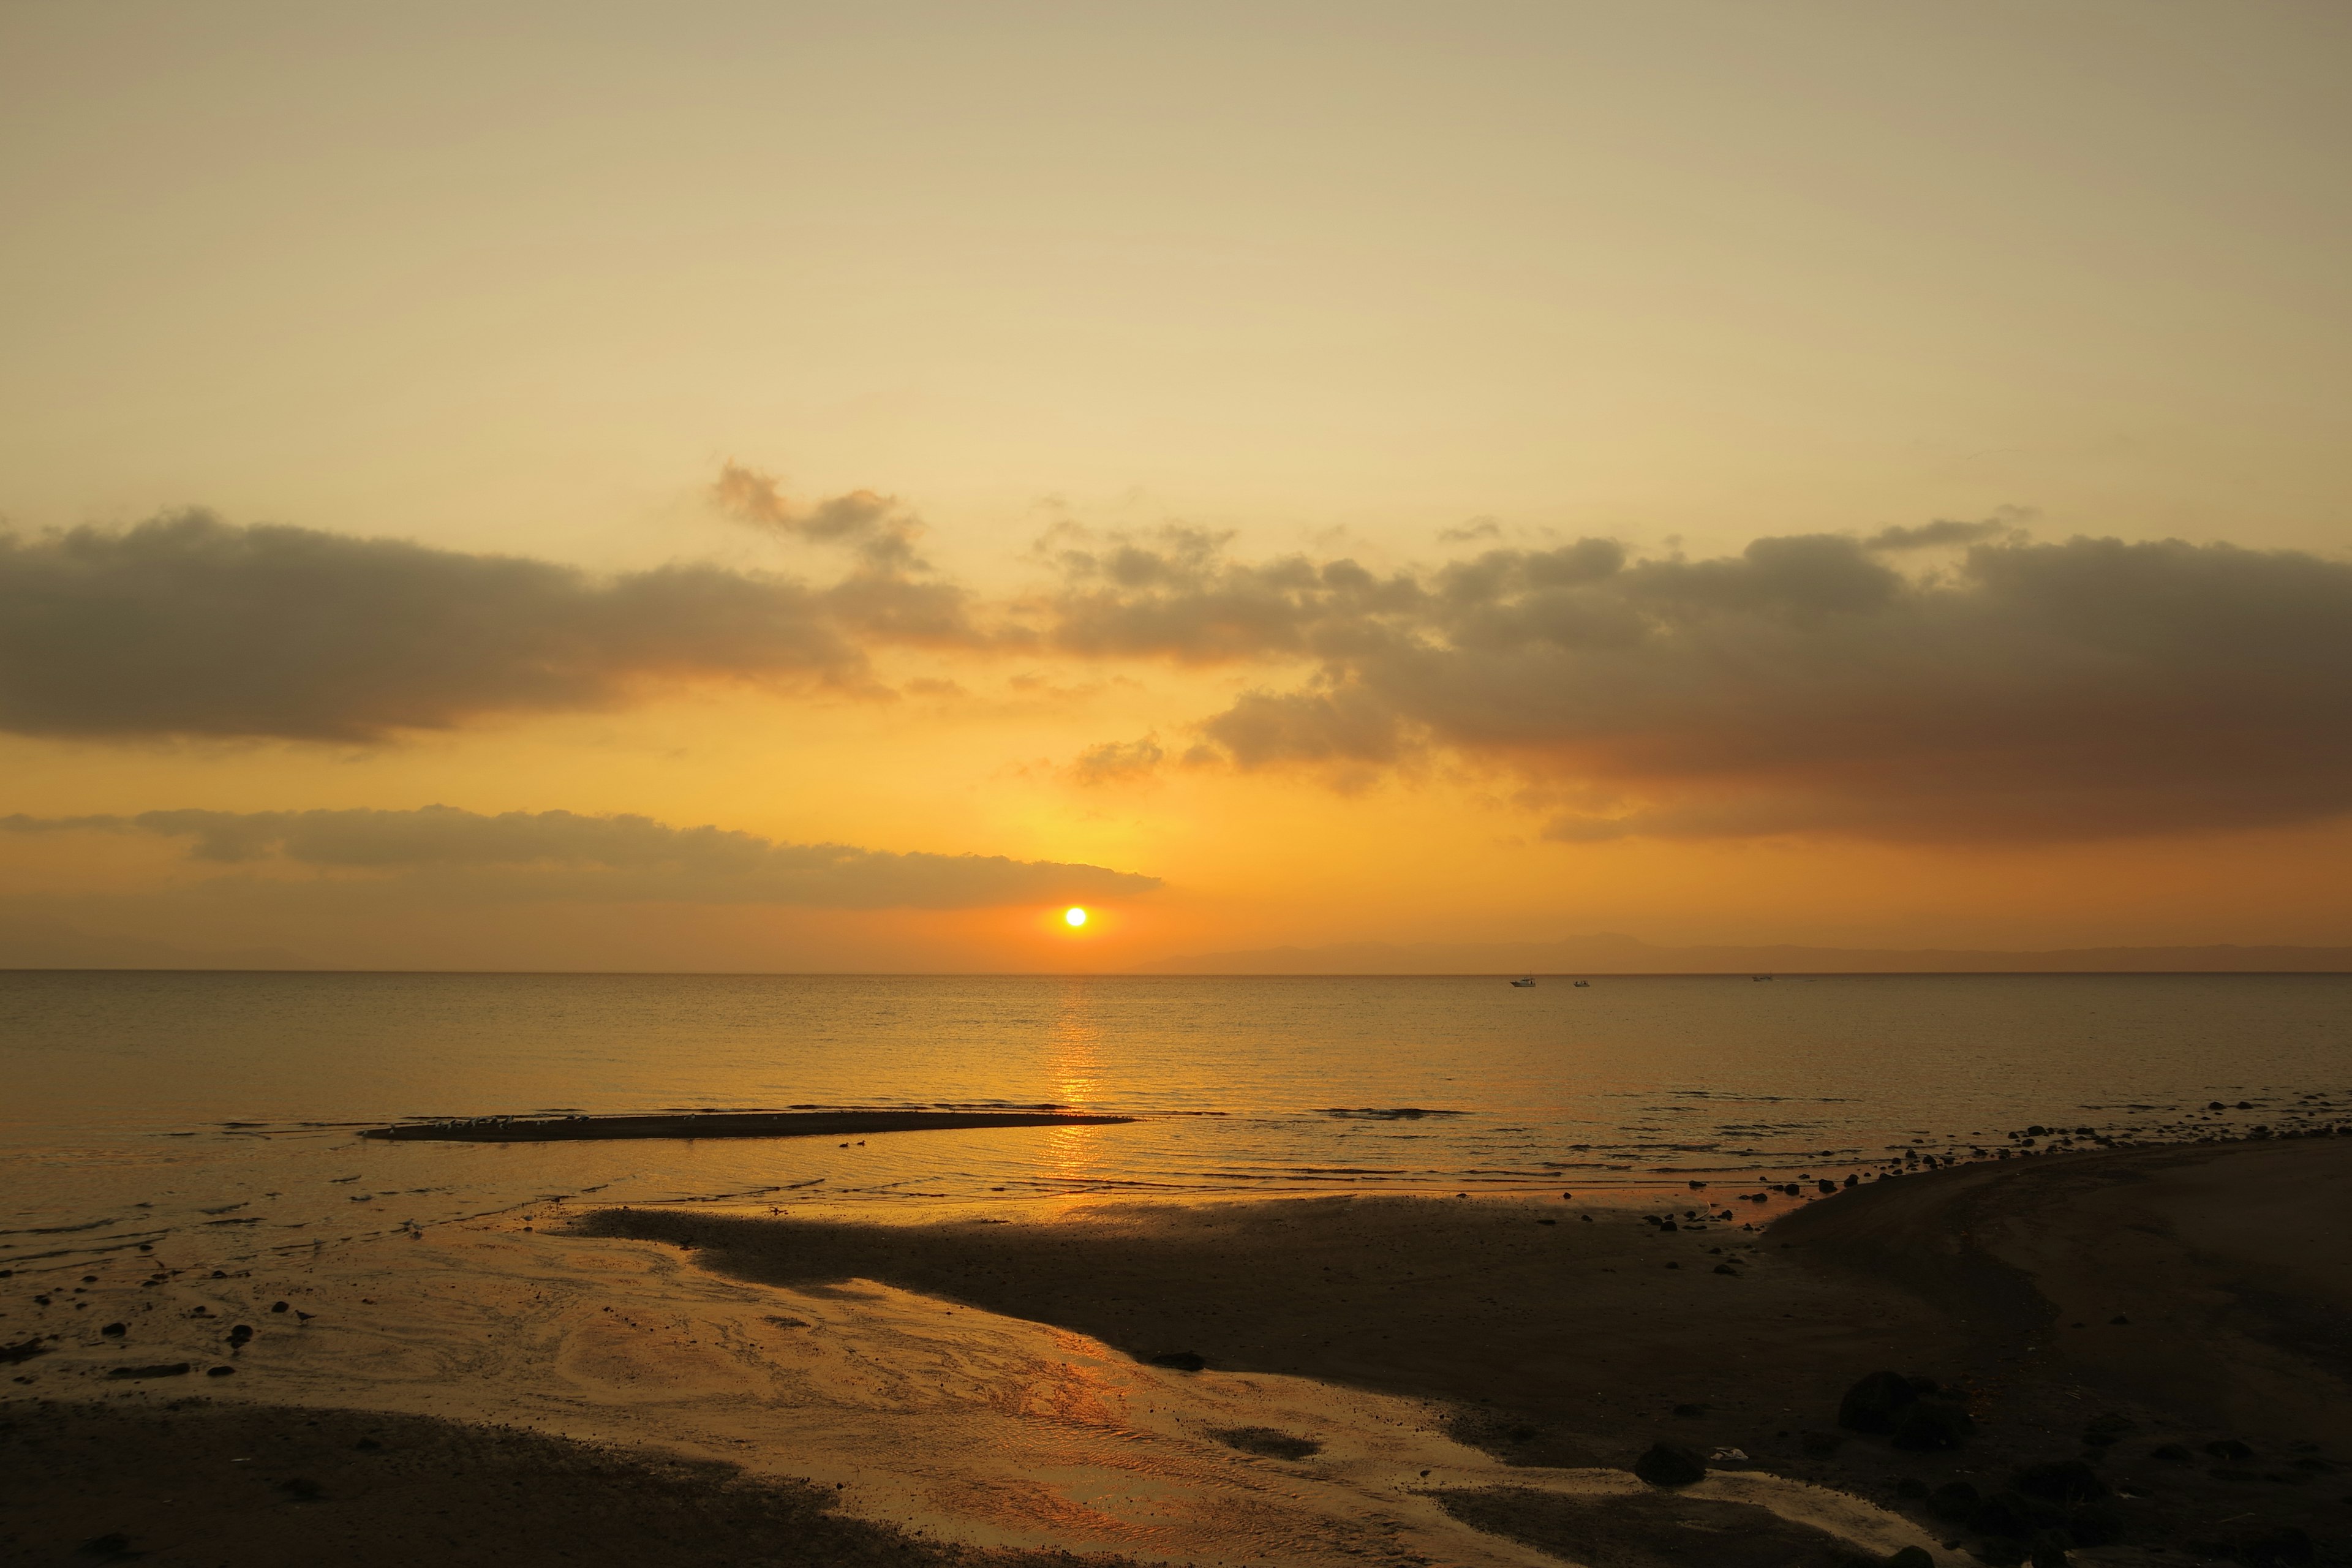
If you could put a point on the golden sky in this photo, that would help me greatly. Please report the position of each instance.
(790, 487)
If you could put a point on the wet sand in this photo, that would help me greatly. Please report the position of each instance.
(1469, 1381)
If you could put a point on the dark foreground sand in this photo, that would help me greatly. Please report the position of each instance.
(2216, 1416)
(267, 1486)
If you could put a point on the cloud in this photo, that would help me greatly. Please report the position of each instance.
(1171, 592)
(1117, 762)
(1939, 533)
(2082, 690)
(561, 853)
(876, 526)
(186, 625)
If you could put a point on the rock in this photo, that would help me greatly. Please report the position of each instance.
(1872, 1404)
(2049, 1551)
(1954, 1500)
(277, 1306)
(161, 1368)
(220, 1371)
(2119, 1320)
(1911, 1557)
(1665, 1225)
(1727, 1268)
(2229, 1449)
(1268, 1443)
(112, 1544)
(1670, 1464)
(1826, 1186)
(115, 1330)
(1674, 1265)
(1180, 1360)
(2060, 1481)
(1932, 1424)
(2095, 1525)
(2105, 1431)
(240, 1336)
(2265, 1546)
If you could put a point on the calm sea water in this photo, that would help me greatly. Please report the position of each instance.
(222, 1109)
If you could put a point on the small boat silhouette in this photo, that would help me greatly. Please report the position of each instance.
(1584, 982)
(1524, 980)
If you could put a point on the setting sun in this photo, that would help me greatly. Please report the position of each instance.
(1075, 916)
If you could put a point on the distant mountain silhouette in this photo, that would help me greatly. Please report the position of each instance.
(1611, 954)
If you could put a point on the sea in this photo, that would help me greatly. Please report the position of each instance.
(224, 1109)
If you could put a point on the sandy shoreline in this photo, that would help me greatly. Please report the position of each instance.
(1486, 1344)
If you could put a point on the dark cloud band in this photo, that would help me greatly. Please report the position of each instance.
(561, 853)
(2087, 689)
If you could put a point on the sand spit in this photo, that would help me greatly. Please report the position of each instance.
(723, 1124)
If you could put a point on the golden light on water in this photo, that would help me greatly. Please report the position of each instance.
(1075, 916)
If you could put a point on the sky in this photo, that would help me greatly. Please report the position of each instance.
(774, 487)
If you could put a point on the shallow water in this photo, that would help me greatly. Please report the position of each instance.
(222, 1108)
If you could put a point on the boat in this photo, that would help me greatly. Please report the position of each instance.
(1584, 982)
(1524, 980)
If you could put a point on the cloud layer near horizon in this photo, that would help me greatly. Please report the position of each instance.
(1949, 681)
(563, 854)
(2024, 691)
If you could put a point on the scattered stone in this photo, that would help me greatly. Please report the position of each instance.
(115, 1330)
(1872, 1404)
(1670, 1464)
(1954, 1500)
(240, 1336)
(2105, 1431)
(1180, 1360)
(1932, 1424)
(278, 1306)
(2119, 1320)
(1727, 1268)
(22, 1350)
(1268, 1442)
(220, 1371)
(2060, 1481)
(1911, 1557)
(161, 1368)
(2261, 1545)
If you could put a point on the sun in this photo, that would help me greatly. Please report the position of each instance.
(1075, 916)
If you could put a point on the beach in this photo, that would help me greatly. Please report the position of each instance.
(1471, 1379)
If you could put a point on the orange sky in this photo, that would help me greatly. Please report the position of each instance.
(1400, 473)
